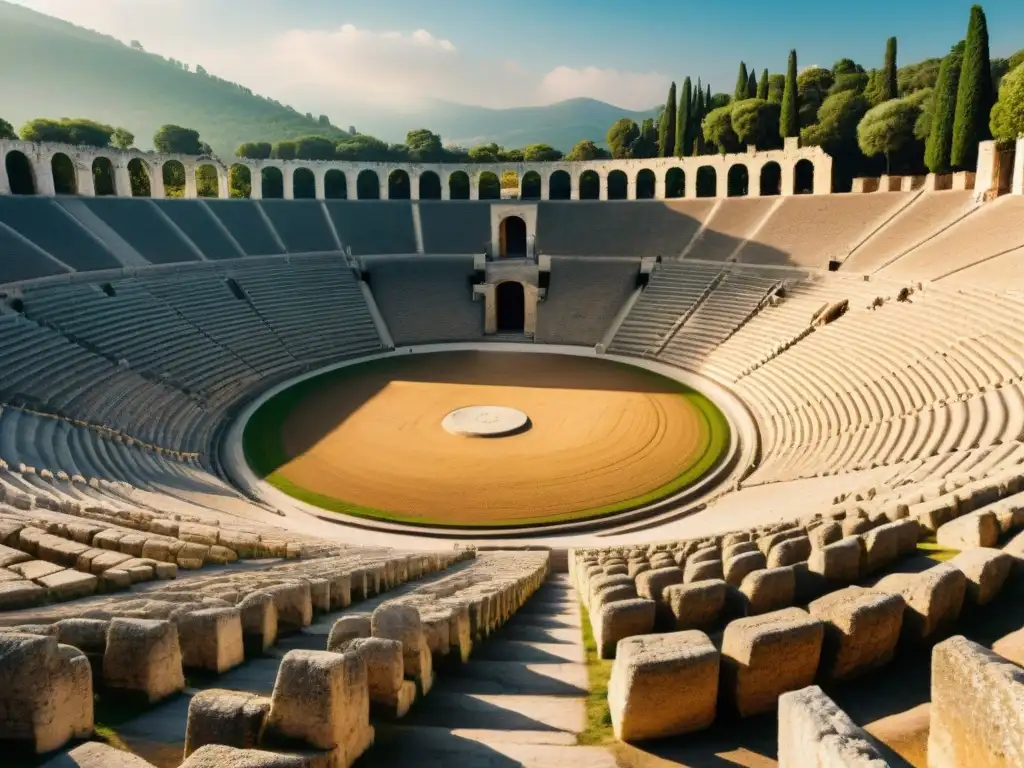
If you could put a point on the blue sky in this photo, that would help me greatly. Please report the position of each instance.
(322, 55)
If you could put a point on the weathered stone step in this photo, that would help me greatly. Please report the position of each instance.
(450, 709)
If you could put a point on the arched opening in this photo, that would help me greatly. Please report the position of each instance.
(335, 185)
(19, 173)
(138, 176)
(618, 185)
(707, 181)
(511, 313)
(103, 177)
(489, 186)
(513, 238)
(531, 186)
(803, 178)
(430, 186)
(771, 179)
(738, 181)
(368, 185)
(399, 187)
(675, 183)
(458, 186)
(65, 177)
(272, 183)
(645, 184)
(174, 178)
(559, 186)
(206, 181)
(240, 182)
(590, 186)
(303, 184)
(509, 185)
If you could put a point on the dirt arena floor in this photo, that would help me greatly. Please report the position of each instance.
(368, 439)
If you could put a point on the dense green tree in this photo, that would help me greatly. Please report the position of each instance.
(423, 146)
(742, 78)
(512, 156)
(122, 138)
(925, 101)
(762, 87)
(752, 85)
(285, 150)
(254, 150)
(667, 126)
(918, 76)
(718, 130)
(587, 150)
(361, 147)
(77, 131)
(1007, 118)
(314, 148)
(888, 128)
(889, 82)
(789, 122)
(1016, 59)
(485, 153)
(620, 136)
(698, 118)
(542, 153)
(173, 139)
(836, 127)
(755, 121)
(776, 88)
(943, 112)
(7, 131)
(717, 101)
(849, 81)
(684, 136)
(813, 86)
(974, 94)
(646, 143)
(846, 67)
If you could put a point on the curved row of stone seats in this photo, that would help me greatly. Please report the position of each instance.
(139, 223)
(583, 298)
(675, 289)
(248, 226)
(732, 222)
(427, 299)
(196, 221)
(749, 668)
(302, 225)
(461, 228)
(49, 226)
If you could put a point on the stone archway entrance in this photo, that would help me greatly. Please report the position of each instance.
(511, 298)
(513, 238)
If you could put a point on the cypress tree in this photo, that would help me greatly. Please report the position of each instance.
(684, 136)
(698, 118)
(789, 124)
(667, 128)
(707, 101)
(890, 89)
(741, 84)
(940, 137)
(762, 87)
(752, 85)
(973, 96)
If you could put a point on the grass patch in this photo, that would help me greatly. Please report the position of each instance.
(934, 551)
(599, 718)
(265, 453)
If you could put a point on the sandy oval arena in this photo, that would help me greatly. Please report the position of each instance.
(368, 439)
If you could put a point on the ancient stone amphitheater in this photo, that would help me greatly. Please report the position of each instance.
(840, 587)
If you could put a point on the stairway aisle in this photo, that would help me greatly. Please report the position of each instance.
(520, 701)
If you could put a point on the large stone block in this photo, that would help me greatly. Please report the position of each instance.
(789, 552)
(933, 597)
(294, 603)
(975, 529)
(69, 585)
(234, 718)
(88, 635)
(651, 584)
(663, 685)
(259, 621)
(768, 655)
(986, 571)
(879, 548)
(815, 733)
(346, 629)
(769, 590)
(699, 570)
(825, 534)
(143, 656)
(739, 565)
(93, 754)
(391, 694)
(697, 605)
(621, 619)
(20, 594)
(862, 629)
(401, 622)
(977, 708)
(838, 563)
(211, 639)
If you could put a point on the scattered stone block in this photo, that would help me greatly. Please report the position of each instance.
(663, 685)
(738, 566)
(211, 639)
(621, 619)
(986, 571)
(69, 585)
(697, 605)
(769, 589)
(699, 570)
(20, 594)
(396, 621)
(88, 635)
(815, 733)
(10, 556)
(933, 597)
(294, 603)
(825, 534)
(879, 548)
(975, 529)
(651, 584)
(838, 563)
(789, 552)
(36, 569)
(233, 718)
(391, 695)
(346, 629)
(768, 655)
(143, 656)
(862, 629)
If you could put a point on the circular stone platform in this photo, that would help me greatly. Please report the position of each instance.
(485, 421)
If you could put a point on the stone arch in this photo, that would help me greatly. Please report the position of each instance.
(207, 184)
(675, 182)
(458, 185)
(335, 185)
(707, 181)
(399, 186)
(803, 177)
(530, 189)
(590, 186)
(103, 177)
(489, 186)
(509, 184)
(303, 184)
(368, 185)
(618, 185)
(512, 234)
(645, 184)
(173, 172)
(138, 177)
(511, 310)
(20, 174)
(559, 186)
(771, 179)
(65, 175)
(240, 181)
(738, 181)
(271, 183)
(430, 186)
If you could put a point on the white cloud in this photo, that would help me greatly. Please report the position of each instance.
(638, 90)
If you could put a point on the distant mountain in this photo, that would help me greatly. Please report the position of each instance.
(50, 68)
